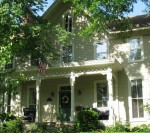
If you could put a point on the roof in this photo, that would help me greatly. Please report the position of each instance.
(139, 21)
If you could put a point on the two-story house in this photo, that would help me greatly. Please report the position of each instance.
(109, 74)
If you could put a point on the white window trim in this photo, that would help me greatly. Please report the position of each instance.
(101, 41)
(28, 87)
(61, 50)
(95, 95)
(142, 49)
(130, 99)
(63, 20)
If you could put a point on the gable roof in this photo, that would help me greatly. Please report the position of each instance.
(139, 21)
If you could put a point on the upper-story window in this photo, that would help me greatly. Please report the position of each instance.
(136, 52)
(137, 98)
(101, 50)
(67, 55)
(68, 22)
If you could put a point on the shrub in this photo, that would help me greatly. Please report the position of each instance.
(13, 126)
(119, 127)
(141, 128)
(87, 120)
(10, 123)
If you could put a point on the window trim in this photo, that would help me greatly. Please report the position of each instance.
(130, 99)
(63, 19)
(101, 41)
(95, 94)
(61, 52)
(28, 89)
(142, 49)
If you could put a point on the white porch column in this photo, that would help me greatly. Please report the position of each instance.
(38, 84)
(72, 83)
(18, 101)
(110, 95)
(117, 100)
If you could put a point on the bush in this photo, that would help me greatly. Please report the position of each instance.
(10, 123)
(87, 120)
(117, 128)
(141, 128)
(13, 126)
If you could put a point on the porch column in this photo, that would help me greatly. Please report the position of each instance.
(72, 83)
(38, 84)
(110, 95)
(117, 100)
(18, 101)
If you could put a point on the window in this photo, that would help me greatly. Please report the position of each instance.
(32, 97)
(137, 98)
(102, 94)
(68, 22)
(135, 49)
(67, 55)
(101, 51)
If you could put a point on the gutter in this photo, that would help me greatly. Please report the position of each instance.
(141, 28)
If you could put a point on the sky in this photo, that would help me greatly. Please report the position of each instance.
(138, 8)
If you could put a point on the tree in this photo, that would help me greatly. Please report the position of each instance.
(147, 3)
(24, 33)
(102, 15)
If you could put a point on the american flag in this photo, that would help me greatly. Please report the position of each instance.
(42, 67)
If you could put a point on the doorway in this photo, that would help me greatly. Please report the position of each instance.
(65, 103)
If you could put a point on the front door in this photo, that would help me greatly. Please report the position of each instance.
(65, 103)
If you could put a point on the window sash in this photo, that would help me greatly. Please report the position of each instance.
(102, 95)
(135, 49)
(68, 22)
(67, 55)
(101, 51)
(137, 98)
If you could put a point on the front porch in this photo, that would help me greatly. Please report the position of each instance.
(69, 88)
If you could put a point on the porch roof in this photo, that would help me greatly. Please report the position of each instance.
(77, 67)
(85, 66)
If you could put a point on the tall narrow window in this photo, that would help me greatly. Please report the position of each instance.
(67, 55)
(68, 22)
(137, 98)
(135, 49)
(102, 95)
(101, 50)
(32, 97)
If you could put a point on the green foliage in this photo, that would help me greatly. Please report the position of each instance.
(4, 117)
(101, 16)
(10, 83)
(11, 123)
(141, 128)
(117, 128)
(87, 120)
(13, 126)
(147, 108)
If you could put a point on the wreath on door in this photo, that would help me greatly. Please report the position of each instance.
(65, 99)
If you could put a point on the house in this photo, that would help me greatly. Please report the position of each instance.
(110, 75)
